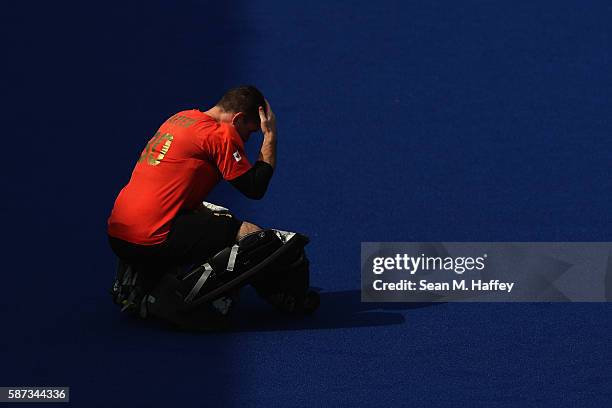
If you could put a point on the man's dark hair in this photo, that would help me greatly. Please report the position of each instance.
(246, 99)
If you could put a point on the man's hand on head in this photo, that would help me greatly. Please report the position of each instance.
(267, 153)
(268, 120)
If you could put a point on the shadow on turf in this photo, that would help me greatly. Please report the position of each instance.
(341, 309)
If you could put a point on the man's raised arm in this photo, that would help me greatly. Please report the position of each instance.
(254, 182)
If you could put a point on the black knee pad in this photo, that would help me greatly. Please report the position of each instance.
(271, 260)
(257, 258)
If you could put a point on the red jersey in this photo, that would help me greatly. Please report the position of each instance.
(185, 159)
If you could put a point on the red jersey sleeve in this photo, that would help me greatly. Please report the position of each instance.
(227, 152)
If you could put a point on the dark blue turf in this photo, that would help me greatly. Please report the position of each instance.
(398, 121)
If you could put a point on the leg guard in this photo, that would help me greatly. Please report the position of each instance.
(273, 261)
(259, 258)
(286, 284)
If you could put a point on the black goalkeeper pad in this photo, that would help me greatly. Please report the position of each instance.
(253, 258)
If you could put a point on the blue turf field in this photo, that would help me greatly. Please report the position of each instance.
(398, 121)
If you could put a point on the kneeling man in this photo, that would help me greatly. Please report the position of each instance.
(158, 217)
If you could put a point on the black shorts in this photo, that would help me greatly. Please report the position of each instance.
(194, 237)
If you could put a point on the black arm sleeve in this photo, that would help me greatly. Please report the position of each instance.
(254, 182)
